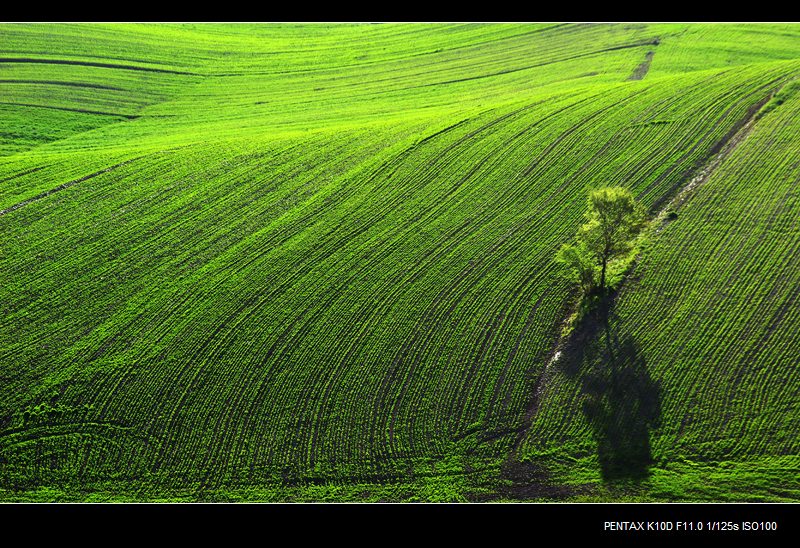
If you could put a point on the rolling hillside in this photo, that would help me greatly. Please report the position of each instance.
(315, 262)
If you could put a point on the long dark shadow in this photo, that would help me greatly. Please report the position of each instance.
(620, 401)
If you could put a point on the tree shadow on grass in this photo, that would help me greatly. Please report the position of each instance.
(621, 403)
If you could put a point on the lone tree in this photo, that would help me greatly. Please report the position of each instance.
(612, 223)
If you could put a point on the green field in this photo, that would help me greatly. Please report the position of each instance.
(316, 262)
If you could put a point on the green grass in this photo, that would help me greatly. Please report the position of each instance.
(315, 262)
(705, 336)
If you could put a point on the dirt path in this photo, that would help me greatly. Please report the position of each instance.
(728, 145)
(643, 68)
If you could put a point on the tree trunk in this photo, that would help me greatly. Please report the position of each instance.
(603, 277)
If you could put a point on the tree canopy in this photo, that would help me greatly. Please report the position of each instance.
(613, 220)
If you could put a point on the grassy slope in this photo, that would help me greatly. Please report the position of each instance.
(323, 253)
(702, 380)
